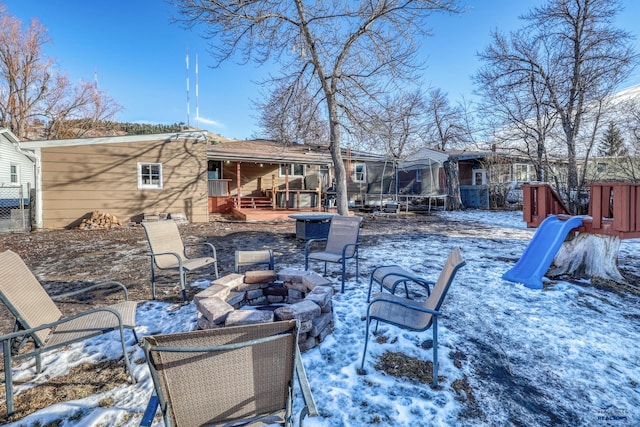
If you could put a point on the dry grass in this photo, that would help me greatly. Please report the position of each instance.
(81, 381)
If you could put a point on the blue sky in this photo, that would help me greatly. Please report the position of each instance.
(139, 57)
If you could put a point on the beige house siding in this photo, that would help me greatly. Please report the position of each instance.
(78, 179)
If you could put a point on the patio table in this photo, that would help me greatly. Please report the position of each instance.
(312, 226)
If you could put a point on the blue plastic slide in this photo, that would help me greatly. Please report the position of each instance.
(543, 247)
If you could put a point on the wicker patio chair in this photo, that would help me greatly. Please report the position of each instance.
(39, 319)
(168, 252)
(237, 375)
(414, 315)
(342, 244)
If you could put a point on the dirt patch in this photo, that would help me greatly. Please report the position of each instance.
(81, 381)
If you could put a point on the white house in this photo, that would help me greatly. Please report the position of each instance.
(17, 176)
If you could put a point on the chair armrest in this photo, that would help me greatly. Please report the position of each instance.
(408, 275)
(30, 331)
(209, 245)
(404, 303)
(307, 245)
(175, 254)
(111, 283)
(347, 246)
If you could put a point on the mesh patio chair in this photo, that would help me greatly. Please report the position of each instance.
(253, 258)
(414, 315)
(168, 252)
(342, 244)
(231, 376)
(39, 319)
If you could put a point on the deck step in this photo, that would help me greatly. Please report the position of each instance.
(255, 202)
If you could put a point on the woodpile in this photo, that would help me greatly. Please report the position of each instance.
(100, 221)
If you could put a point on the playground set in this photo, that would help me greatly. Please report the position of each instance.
(614, 210)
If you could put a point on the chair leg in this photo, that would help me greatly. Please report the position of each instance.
(125, 356)
(344, 273)
(8, 376)
(435, 351)
(370, 287)
(183, 281)
(153, 281)
(150, 411)
(366, 341)
(215, 266)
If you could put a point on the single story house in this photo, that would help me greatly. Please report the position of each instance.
(250, 174)
(125, 176)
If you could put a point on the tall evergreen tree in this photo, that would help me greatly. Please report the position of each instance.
(612, 144)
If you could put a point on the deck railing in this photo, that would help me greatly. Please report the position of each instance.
(219, 187)
(614, 208)
(538, 202)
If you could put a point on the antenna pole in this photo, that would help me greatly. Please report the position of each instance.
(197, 110)
(188, 101)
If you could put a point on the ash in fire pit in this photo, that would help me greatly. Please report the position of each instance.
(264, 296)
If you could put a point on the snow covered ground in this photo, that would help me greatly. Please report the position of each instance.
(566, 355)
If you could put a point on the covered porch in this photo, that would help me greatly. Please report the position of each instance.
(265, 180)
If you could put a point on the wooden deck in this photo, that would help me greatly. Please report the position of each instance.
(258, 214)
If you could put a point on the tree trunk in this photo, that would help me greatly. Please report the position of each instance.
(589, 256)
(342, 198)
(453, 184)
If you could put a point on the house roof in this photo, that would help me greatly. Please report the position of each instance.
(195, 135)
(10, 136)
(423, 158)
(269, 151)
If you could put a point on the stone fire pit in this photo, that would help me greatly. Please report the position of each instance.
(264, 296)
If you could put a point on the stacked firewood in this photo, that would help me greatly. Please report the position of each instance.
(100, 221)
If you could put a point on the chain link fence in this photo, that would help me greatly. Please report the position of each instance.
(15, 215)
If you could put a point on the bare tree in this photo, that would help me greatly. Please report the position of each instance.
(290, 115)
(32, 92)
(349, 52)
(447, 127)
(515, 106)
(395, 125)
(572, 57)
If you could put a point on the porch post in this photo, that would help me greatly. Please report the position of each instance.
(238, 204)
(274, 194)
(286, 186)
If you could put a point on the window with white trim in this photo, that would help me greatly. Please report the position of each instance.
(522, 172)
(14, 176)
(150, 175)
(418, 175)
(601, 167)
(359, 172)
(294, 170)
